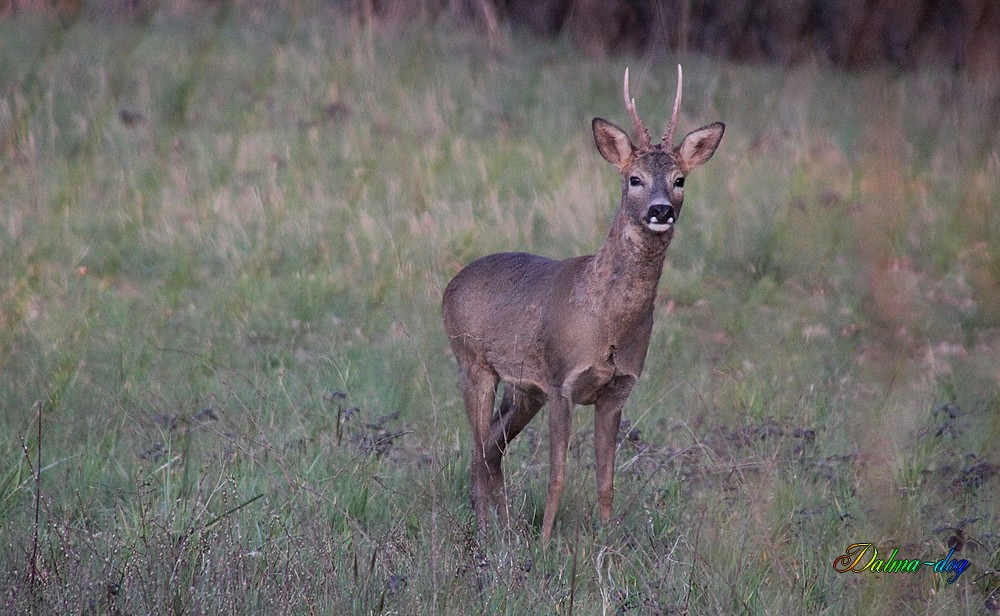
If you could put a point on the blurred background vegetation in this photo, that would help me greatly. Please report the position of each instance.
(854, 34)
(226, 227)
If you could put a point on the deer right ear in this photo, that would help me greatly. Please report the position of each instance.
(613, 143)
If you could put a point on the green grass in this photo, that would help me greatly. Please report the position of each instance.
(224, 238)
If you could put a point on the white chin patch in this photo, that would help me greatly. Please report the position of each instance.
(659, 227)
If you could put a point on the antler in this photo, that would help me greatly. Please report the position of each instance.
(640, 128)
(668, 137)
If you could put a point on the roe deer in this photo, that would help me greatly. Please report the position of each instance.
(574, 331)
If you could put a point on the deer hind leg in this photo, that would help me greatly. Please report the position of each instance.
(478, 384)
(607, 419)
(517, 408)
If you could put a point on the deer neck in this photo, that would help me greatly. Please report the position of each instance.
(626, 270)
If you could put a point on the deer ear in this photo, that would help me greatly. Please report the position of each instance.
(699, 145)
(612, 142)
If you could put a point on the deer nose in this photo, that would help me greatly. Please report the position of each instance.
(661, 214)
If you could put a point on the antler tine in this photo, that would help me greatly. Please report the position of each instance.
(668, 137)
(640, 128)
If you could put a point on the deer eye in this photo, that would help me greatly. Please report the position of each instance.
(679, 182)
(635, 181)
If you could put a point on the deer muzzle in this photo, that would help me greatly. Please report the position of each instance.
(660, 217)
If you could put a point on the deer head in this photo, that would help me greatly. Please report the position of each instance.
(653, 175)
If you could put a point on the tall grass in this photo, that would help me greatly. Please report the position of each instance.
(224, 386)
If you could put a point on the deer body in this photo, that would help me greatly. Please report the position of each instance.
(569, 332)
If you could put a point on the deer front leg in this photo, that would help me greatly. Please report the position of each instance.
(478, 386)
(607, 419)
(560, 424)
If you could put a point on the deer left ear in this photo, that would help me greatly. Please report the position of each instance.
(699, 145)
(613, 143)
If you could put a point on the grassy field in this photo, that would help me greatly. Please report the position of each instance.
(224, 386)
